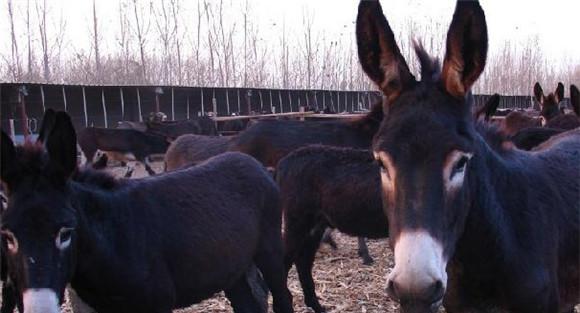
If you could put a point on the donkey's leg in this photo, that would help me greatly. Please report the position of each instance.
(304, 264)
(270, 260)
(327, 239)
(148, 167)
(242, 297)
(363, 251)
(8, 297)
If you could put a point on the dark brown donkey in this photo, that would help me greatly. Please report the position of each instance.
(270, 140)
(190, 150)
(472, 228)
(126, 141)
(147, 245)
(551, 113)
(320, 187)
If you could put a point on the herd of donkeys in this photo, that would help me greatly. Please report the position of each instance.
(481, 206)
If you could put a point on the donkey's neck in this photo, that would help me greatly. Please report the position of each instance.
(109, 230)
(499, 196)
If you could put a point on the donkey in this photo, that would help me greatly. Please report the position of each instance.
(172, 129)
(189, 150)
(127, 141)
(270, 140)
(114, 245)
(552, 115)
(323, 186)
(471, 228)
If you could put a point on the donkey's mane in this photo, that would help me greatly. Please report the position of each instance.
(430, 67)
(97, 178)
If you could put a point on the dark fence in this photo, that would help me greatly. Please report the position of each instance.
(104, 106)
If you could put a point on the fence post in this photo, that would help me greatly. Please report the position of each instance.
(42, 97)
(11, 129)
(214, 103)
(280, 98)
(85, 107)
(64, 98)
(290, 101)
(261, 103)
(22, 93)
(139, 106)
(239, 105)
(301, 110)
(158, 91)
(271, 103)
(202, 106)
(104, 107)
(172, 104)
(122, 103)
(187, 108)
(227, 101)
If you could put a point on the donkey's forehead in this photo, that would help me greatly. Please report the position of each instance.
(39, 209)
(425, 120)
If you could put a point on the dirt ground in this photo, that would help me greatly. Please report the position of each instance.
(343, 284)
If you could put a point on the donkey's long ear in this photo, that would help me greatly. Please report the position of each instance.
(378, 52)
(466, 48)
(47, 124)
(7, 157)
(61, 144)
(489, 108)
(575, 99)
(559, 92)
(538, 93)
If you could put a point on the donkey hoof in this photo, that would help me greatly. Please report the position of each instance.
(368, 261)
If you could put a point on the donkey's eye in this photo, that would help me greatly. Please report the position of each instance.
(11, 241)
(63, 238)
(459, 166)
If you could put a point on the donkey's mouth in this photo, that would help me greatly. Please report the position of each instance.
(41, 300)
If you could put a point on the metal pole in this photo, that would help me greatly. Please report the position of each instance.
(280, 98)
(290, 101)
(187, 108)
(22, 93)
(64, 98)
(85, 107)
(172, 105)
(214, 103)
(202, 107)
(122, 103)
(104, 108)
(139, 106)
(261, 103)
(271, 103)
(42, 96)
(239, 106)
(227, 101)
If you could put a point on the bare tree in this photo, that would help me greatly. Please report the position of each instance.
(41, 10)
(16, 65)
(96, 40)
(141, 31)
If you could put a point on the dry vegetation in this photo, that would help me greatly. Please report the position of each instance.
(220, 43)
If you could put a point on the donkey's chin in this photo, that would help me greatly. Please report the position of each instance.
(40, 300)
(421, 307)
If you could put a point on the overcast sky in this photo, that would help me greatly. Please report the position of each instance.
(555, 23)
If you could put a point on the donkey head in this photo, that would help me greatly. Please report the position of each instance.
(424, 146)
(38, 226)
(549, 104)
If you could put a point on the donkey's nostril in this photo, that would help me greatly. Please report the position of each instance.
(438, 291)
(392, 290)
